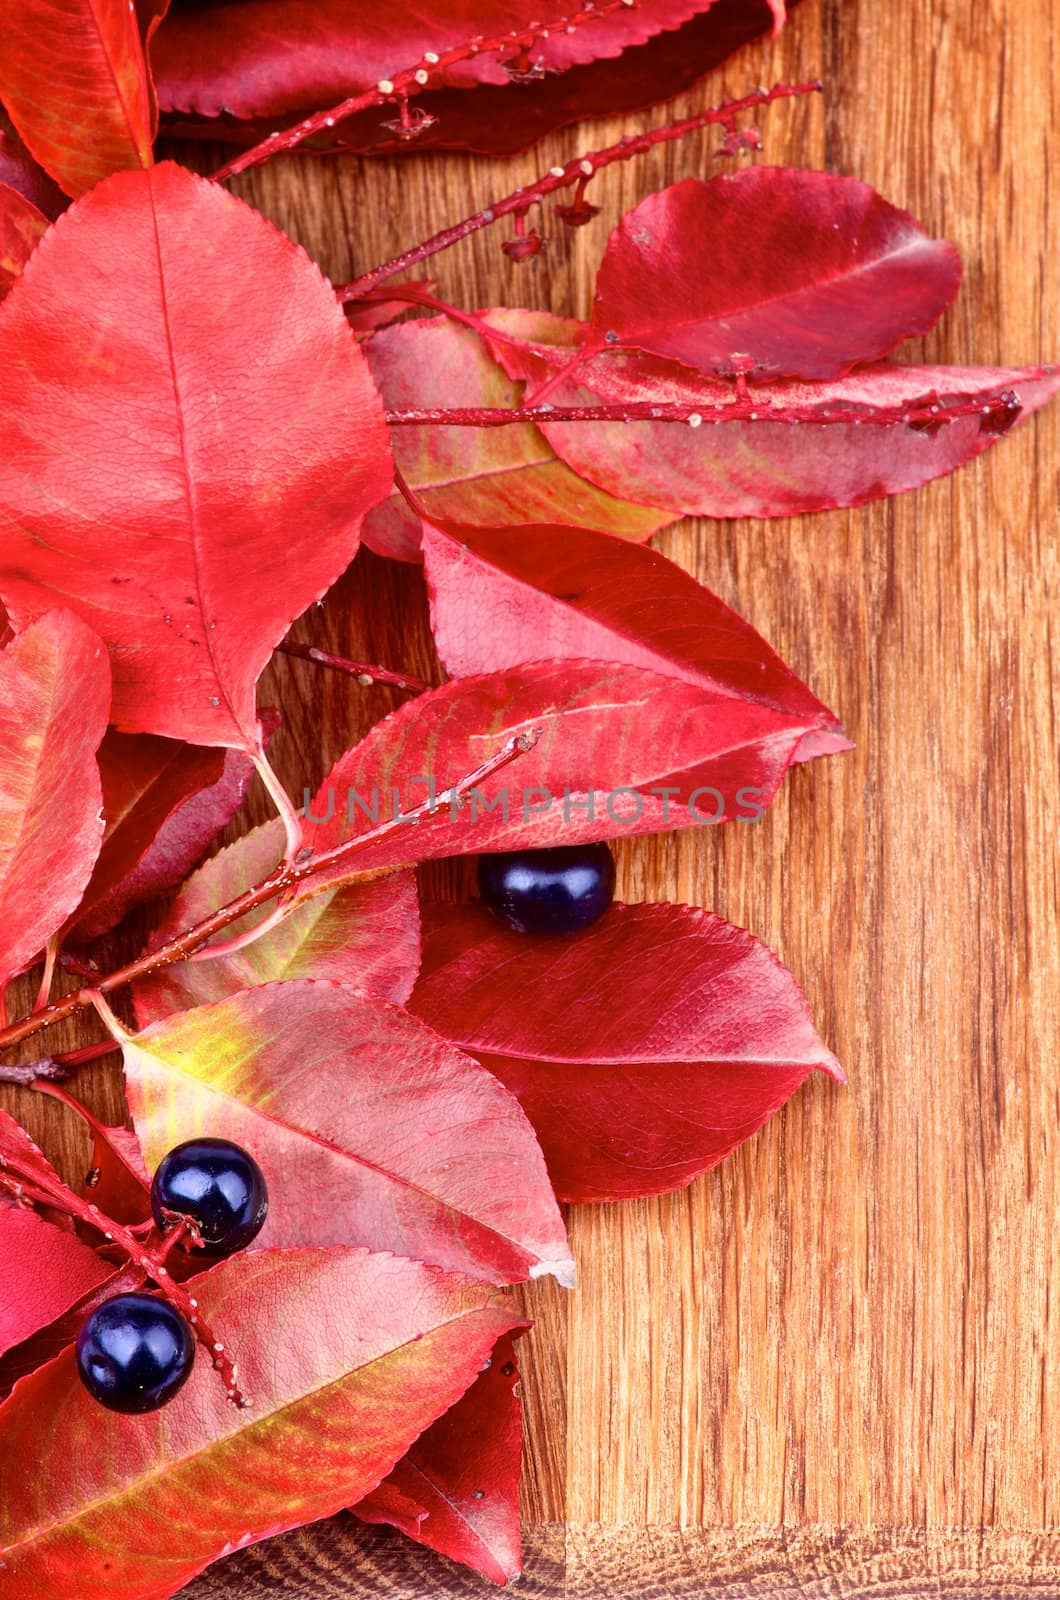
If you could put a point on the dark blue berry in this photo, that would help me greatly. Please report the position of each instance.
(548, 891)
(134, 1352)
(219, 1186)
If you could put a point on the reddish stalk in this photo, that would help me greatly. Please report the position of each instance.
(288, 875)
(25, 1181)
(997, 413)
(575, 172)
(366, 674)
(400, 85)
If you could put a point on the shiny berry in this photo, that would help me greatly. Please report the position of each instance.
(548, 891)
(219, 1186)
(134, 1352)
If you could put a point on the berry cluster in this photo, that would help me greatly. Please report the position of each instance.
(135, 1352)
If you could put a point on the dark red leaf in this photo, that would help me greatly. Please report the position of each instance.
(22, 227)
(19, 171)
(163, 803)
(457, 1489)
(44, 1272)
(74, 79)
(54, 695)
(263, 57)
(346, 1358)
(187, 478)
(503, 596)
(643, 1050)
(501, 120)
(652, 753)
(806, 274)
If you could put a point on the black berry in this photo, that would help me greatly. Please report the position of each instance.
(548, 891)
(134, 1352)
(219, 1186)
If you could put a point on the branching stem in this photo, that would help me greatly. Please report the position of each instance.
(288, 875)
(577, 171)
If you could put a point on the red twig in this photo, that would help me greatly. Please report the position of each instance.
(24, 1180)
(288, 875)
(575, 172)
(409, 80)
(997, 412)
(365, 673)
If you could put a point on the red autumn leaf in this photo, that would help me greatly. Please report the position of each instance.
(263, 57)
(487, 476)
(50, 1340)
(762, 468)
(118, 1181)
(369, 1129)
(22, 227)
(806, 274)
(365, 319)
(19, 171)
(188, 479)
(457, 1489)
(650, 751)
(44, 1272)
(54, 694)
(346, 1358)
(163, 803)
(74, 79)
(503, 119)
(503, 596)
(643, 1050)
(366, 935)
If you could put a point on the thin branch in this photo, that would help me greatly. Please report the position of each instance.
(996, 412)
(288, 875)
(577, 171)
(409, 80)
(365, 673)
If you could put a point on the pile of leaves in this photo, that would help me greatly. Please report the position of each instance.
(197, 431)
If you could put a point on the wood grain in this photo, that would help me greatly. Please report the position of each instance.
(829, 1368)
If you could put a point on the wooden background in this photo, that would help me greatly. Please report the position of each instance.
(830, 1367)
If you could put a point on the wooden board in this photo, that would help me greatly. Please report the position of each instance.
(830, 1367)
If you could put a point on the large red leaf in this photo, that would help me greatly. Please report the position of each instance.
(487, 476)
(365, 934)
(163, 803)
(651, 751)
(502, 596)
(457, 1489)
(254, 57)
(807, 273)
(73, 77)
(22, 227)
(368, 1127)
(643, 1050)
(189, 438)
(762, 468)
(346, 1358)
(502, 119)
(43, 1271)
(54, 694)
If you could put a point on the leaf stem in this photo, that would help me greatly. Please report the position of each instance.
(579, 170)
(408, 81)
(292, 823)
(288, 875)
(995, 411)
(365, 673)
